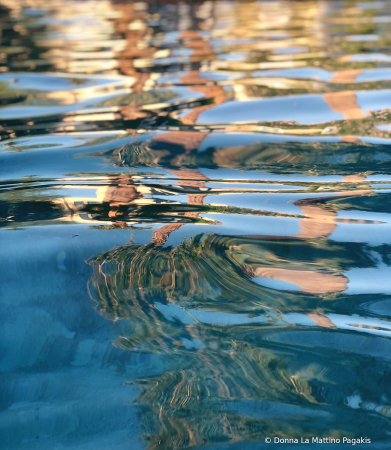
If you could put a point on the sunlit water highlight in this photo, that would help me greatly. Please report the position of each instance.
(195, 221)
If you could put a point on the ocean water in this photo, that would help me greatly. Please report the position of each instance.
(195, 224)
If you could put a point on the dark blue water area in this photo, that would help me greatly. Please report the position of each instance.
(63, 382)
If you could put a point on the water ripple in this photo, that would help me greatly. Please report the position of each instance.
(216, 177)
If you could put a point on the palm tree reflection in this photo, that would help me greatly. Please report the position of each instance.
(197, 304)
(157, 288)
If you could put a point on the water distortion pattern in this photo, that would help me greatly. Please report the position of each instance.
(195, 224)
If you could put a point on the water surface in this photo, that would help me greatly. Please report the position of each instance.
(195, 221)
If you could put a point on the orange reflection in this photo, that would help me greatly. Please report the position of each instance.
(310, 282)
(344, 103)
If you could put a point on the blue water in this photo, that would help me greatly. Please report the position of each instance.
(195, 225)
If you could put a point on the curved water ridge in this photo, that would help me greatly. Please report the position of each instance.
(216, 177)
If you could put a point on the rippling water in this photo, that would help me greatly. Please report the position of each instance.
(195, 224)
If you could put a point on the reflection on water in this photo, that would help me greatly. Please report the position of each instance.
(215, 176)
